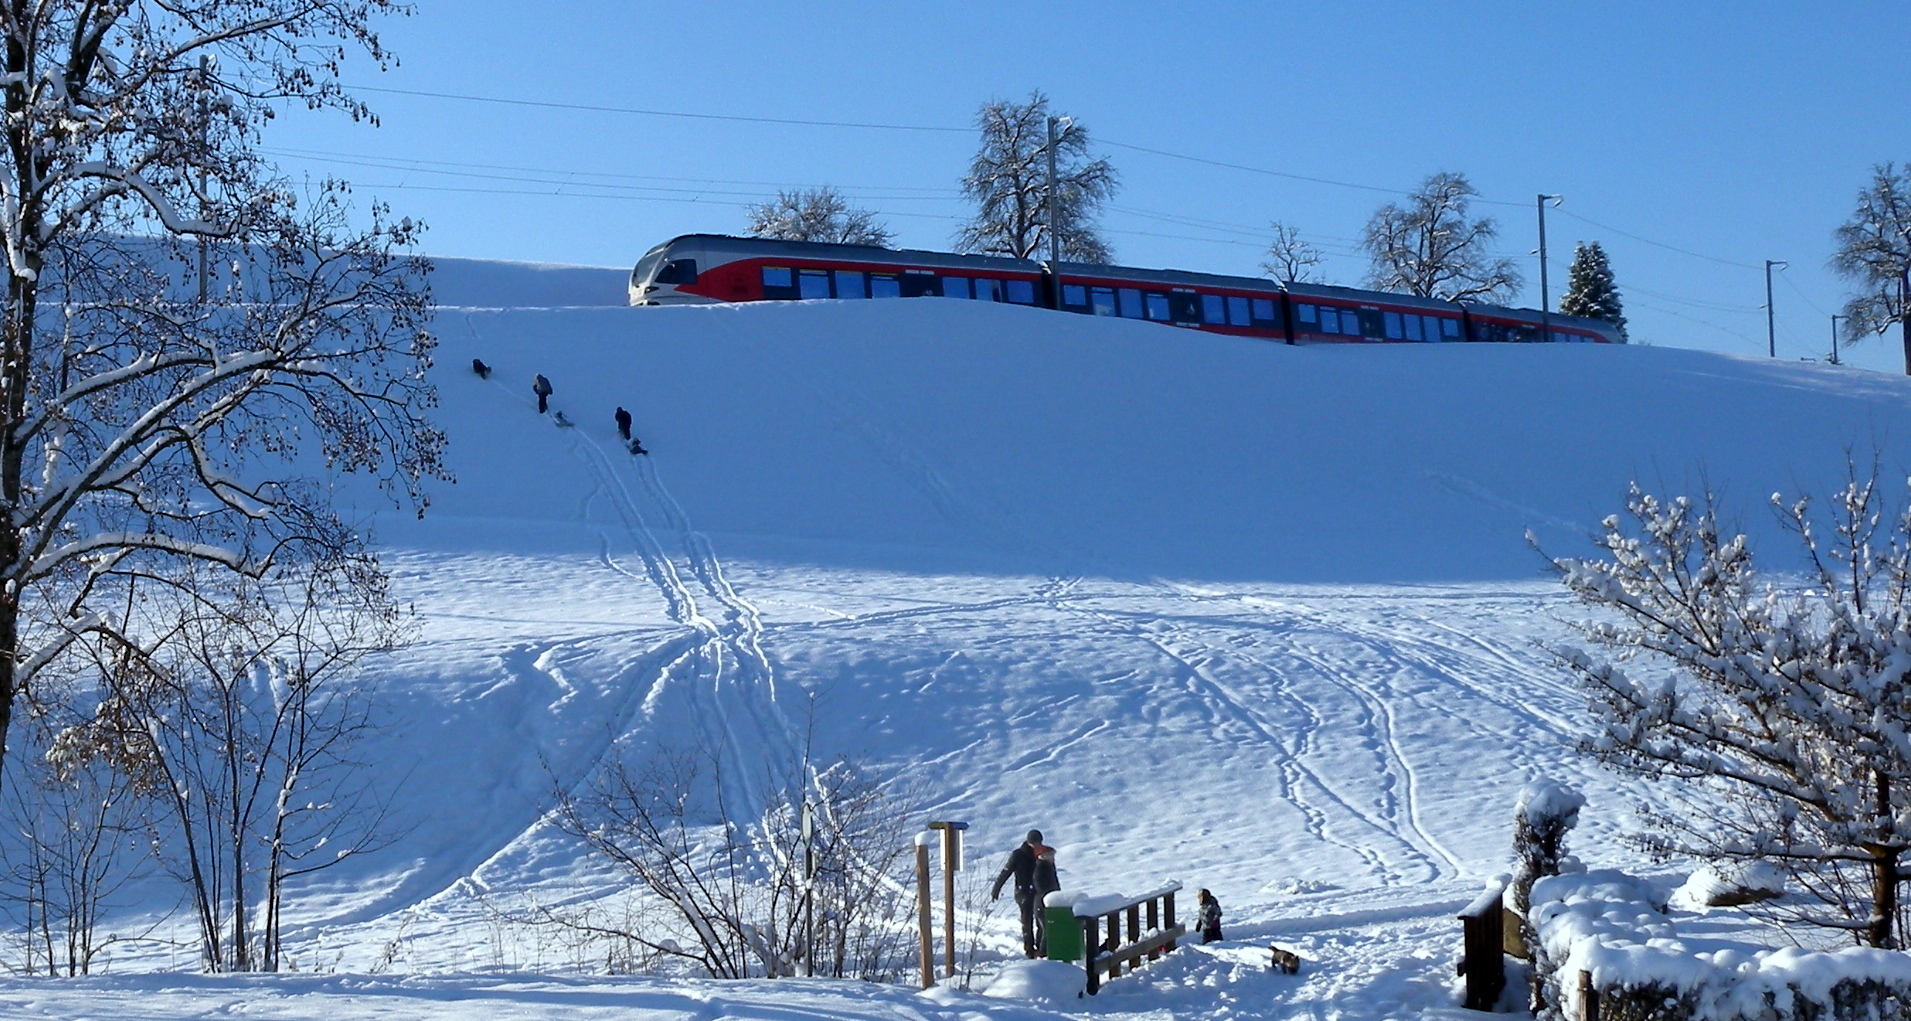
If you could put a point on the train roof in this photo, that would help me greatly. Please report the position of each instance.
(823, 250)
(1167, 276)
(1371, 297)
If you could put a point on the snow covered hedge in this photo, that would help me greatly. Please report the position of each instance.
(1615, 927)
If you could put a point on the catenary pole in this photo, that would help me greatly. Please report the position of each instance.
(1771, 320)
(1545, 306)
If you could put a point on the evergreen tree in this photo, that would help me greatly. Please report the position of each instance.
(1590, 291)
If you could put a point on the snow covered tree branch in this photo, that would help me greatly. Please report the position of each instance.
(188, 340)
(1784, 708)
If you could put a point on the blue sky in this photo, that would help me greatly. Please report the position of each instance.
(1734, 132)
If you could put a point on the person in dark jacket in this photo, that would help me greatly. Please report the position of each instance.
(623, 423)
(1208, 916)
(1021, 865)
(1046, 882)
(542, 387)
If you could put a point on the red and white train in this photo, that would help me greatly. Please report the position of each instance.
(701, 268)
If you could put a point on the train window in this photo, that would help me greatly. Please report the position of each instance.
(1074, 294)
(1329, 320)
(1307, 314)
(1412, 326)
(1131, 302)
(917, 285)
(1237, 311)
(1186, 306)
(1104, 301)
(1373, 325)
(777, 276)
(1022, 292)
(884, 286)
(1213, 308)
(1350, 322)
(1394, 329)
(849, 284)
(955, 287)
(1158, 307)
(1264, 310)
(988, 290)
(678, 271)
(812, 283)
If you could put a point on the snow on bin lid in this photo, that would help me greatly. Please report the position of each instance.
(1061, 899)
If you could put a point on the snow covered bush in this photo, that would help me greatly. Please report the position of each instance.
(1545, 813)
(1782, 720)
(1611, 927)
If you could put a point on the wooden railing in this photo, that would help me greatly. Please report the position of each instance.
(1151, 932)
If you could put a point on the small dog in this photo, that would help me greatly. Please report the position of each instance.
(1287, 962)
(478, 366)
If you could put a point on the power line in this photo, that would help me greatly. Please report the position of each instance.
(635, 111)
(1660, 244)
(409, 163)
(873, 125)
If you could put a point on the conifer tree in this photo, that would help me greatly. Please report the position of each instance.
(1590, 291)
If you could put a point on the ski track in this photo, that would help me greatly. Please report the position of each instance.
(725, 661)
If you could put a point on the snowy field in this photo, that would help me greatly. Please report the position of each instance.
(1261, 619)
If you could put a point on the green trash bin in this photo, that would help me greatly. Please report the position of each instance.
(1064, 933)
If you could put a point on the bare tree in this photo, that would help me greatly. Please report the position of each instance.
(1783, 719)
(78, 840)
(150, 412)
(1290, 258)
(1874, 252)
(728, 882)
(1008, 179)
(237, 706)
(819, 214)
(1431, 247)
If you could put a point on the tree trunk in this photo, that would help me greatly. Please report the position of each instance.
(1904, 315)
(1885, 877)
(1885, 872)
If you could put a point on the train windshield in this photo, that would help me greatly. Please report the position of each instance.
(647, 266)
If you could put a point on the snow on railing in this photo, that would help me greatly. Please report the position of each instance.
(1150, 924)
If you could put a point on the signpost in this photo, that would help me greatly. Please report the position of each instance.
(951, 864)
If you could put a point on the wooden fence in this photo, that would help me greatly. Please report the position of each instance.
(1151, 931)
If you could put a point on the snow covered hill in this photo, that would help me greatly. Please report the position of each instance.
(1260, 618)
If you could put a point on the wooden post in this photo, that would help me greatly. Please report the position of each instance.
(1154, 924)
(1134, 932)
(948, 911)
(1114, 941)
(1588, 998)
(951, 864)
(922, 915)
(1483, 946)
(1089, 946)
(1168, 920)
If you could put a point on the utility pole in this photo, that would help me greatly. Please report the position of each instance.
(1545, 303)
(1054, 235)
(1834, 336)
(1771, 321)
